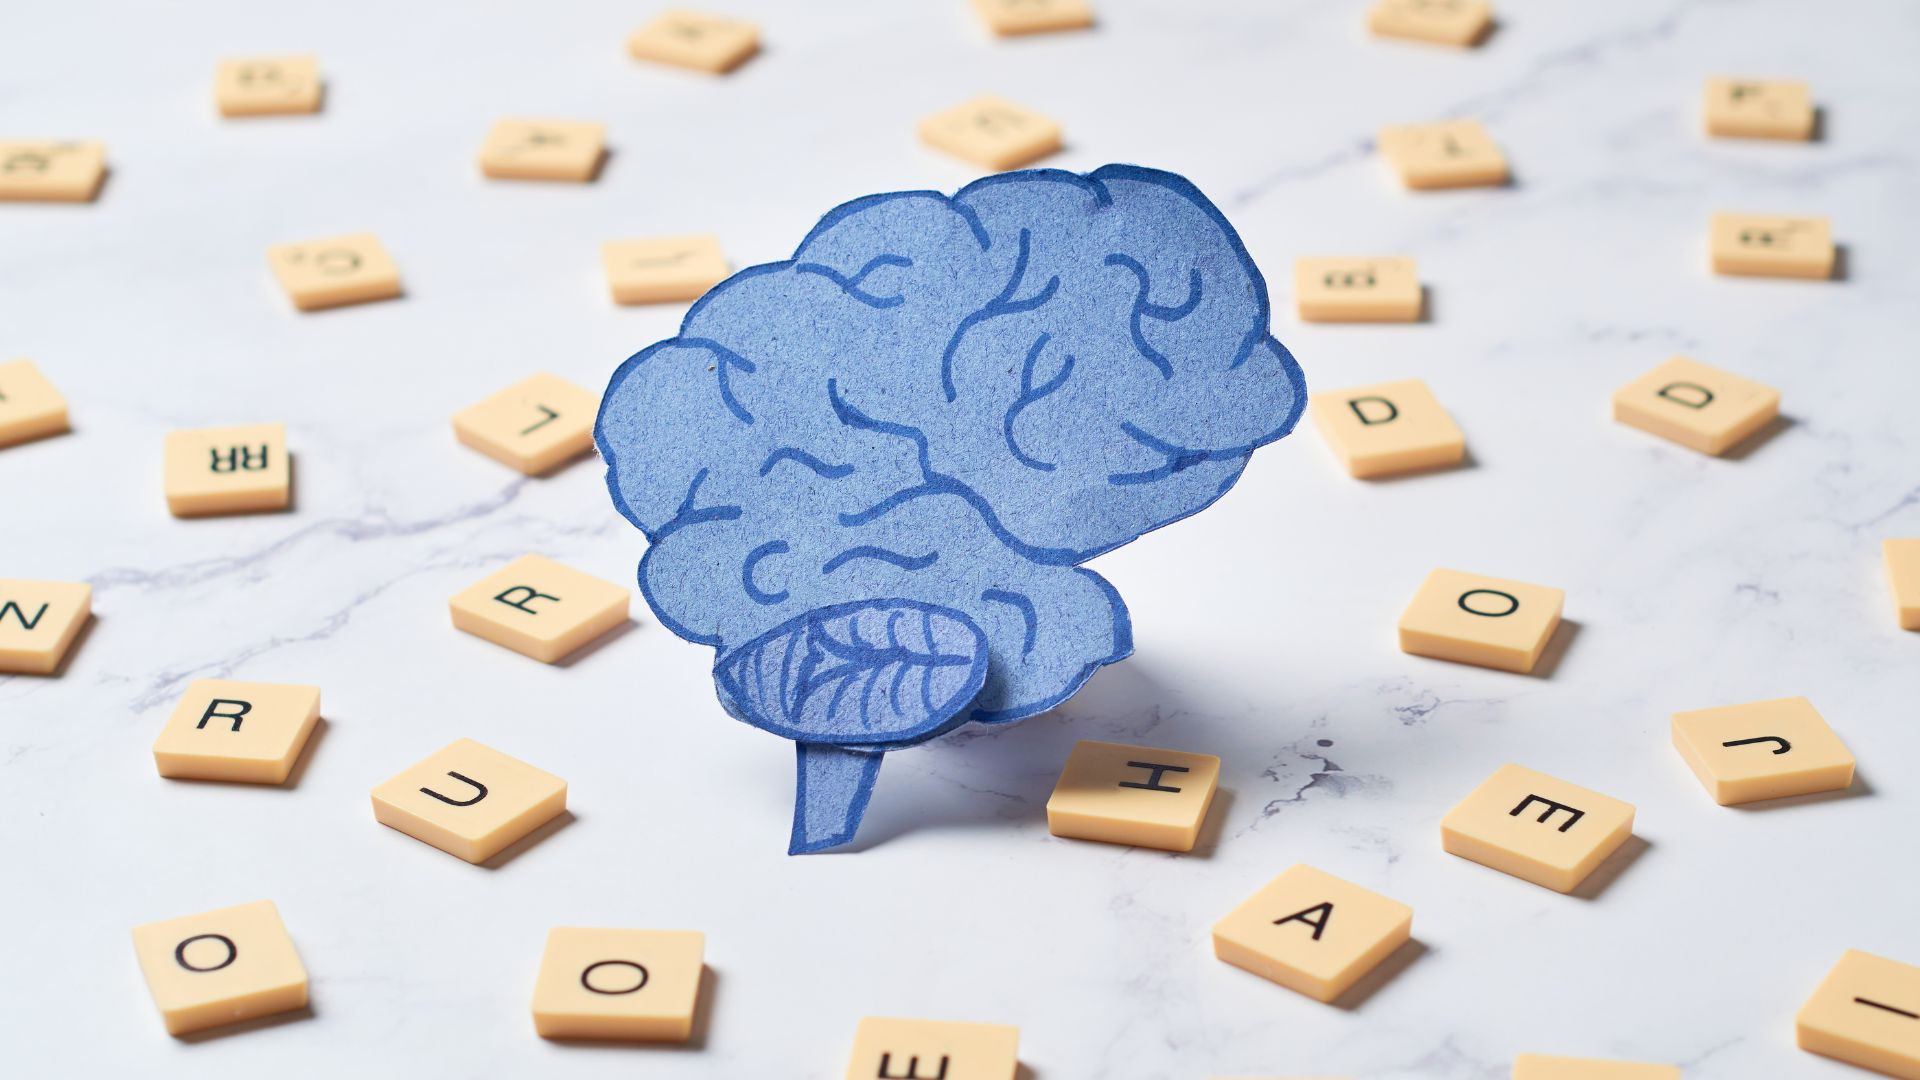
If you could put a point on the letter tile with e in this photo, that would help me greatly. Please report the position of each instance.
(539, 608)
(891, 1049)
(1536, 827)
(635, 985)
(249, 732)
(1485, 621)
(1866, 1012)
(1312, 932)
(470, 801)
(1136, 795)
(221, 967)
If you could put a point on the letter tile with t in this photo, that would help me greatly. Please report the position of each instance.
(469, 800)
(221, 967)
(1536, 827)
(1133, 795)
(637, 985)
(539, 608)
(1312, 932)
(890, 1049)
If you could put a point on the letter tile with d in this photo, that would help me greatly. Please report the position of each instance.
(221, 967)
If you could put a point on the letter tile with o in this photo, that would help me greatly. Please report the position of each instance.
(1486, 621)
(221, 967)
(1536, 827)
(637, 985)
(469, 800)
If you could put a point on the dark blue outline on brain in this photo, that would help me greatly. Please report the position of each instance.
(868, 474)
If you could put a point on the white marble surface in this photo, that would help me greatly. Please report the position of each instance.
(1264, 626)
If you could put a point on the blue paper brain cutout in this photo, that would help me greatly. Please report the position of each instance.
(869, 474)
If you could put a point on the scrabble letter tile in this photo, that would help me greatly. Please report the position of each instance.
(1536, 827)
(1388, 429)
(1541, 1067)
(1866, 1012)
(992, 133)
(1759, 109)
(640, 985)
(933, 1050)
(543, 150)
(1471, 619)
(1454, 153)
(664, 268)
(267, 86)
(1009, 17)
(221, 967)
(245, 731)
(534, 426)
(1312, 932)
(1771, 245)
(1133, 795)
(540, 608)
(1357, 289)
(1903, 575)
(332, 273)
(30, 408)
(1697, 406)
(38, 622)
(1442, 22)
(1762, 750)
(232, 470)
(45, 170)
(469, 800)
(690, 39)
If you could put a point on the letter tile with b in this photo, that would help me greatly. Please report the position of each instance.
(470, 801)
(1762, 750)
(221, 967)
(1473, 619)
(1312, 933)
(1536, 827)
(1134, 795)
(1387, 430)
(1542, 1067)
(1697, 406)
(39, 621)
(636, 985)
(1866, 1012)
(892, 1049)
(539, 608)
(228, 470)
(242, 731)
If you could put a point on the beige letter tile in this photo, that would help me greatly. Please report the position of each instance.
(51, 170)
(222, 967)
(1009, 17)
(30, 408)
(992, 133)
(663, 268)
(1903, 576)
(540, 608)
(1357, 288)
(245, 731)
(1442, 22)
(543, 150)
(231, 470)
(1699, 407)
(1759, 109)
(1866, 1012)
(1762, 750)
(1472, 619)
(535, 425)
(39, 621)
(690, 39)
(1134, 795)
(1453, 153)
(1312, 932)
(934, 1050)
(332, 273)
(1536, 827)
(1541, 1067)
(1771, 245)
(1389, 429)
(267, 86)
(637, 985)
(469, 800)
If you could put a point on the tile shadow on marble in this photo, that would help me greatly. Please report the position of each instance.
(1859, 789)
(1383, 973)
(696, 1040)
(1612, 867)
(244, 1027)
(528, 842)
(73, 649)
(1752, 443)
(581, 654)
(1556, 649)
